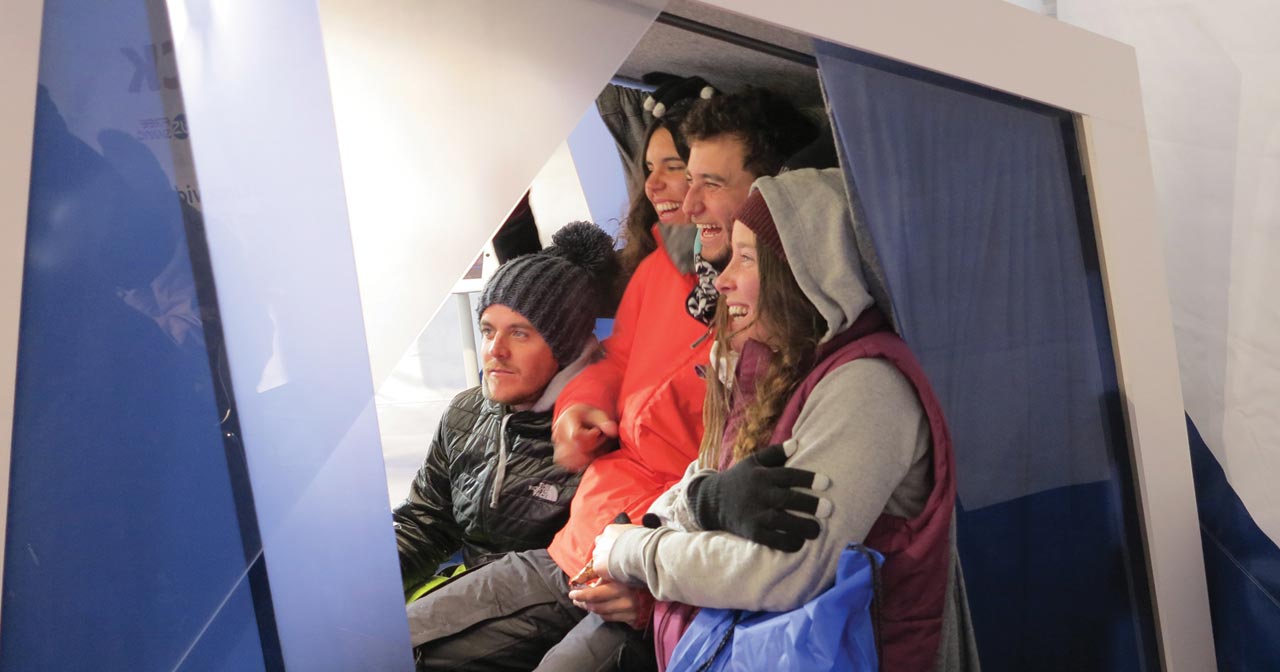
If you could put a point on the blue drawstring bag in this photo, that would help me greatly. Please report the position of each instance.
(833, 631)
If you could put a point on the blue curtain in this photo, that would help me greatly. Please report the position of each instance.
(1241, 566)
(973, 207)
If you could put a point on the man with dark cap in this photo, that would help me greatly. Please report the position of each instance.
(489, 484)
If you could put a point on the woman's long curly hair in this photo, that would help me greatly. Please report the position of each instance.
(793, 329)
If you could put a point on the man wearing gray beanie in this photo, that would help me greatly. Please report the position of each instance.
(489, 484)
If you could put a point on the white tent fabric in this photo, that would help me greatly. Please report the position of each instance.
(1211, 86)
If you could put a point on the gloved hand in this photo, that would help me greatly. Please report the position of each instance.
(753, 498)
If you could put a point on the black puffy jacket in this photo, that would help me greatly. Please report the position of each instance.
(488, 485)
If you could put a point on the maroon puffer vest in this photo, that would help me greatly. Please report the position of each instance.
(917, 551)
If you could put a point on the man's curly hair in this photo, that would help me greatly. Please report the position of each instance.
(770, 127)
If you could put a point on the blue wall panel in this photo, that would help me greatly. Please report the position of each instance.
(976, 208)
(124, 547)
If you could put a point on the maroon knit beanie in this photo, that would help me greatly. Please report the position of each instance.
(754, 214)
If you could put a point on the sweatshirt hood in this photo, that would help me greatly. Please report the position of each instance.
(811, 210)
(677, 241)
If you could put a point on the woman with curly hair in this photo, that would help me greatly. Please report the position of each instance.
(805, 370)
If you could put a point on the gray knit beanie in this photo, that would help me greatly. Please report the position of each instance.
(560, 290)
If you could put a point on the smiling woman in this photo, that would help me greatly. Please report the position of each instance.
(817, 374)
(666, 185)
(739, 287)
(663, 156)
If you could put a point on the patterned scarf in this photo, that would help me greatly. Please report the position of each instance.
(701, 303)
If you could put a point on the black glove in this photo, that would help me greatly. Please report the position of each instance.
(752, 498)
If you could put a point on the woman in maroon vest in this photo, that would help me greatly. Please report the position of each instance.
(805, 370)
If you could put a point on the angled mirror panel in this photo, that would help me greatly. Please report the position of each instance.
(132, 543)
(445, 113)
(257, 99)
(978, 213)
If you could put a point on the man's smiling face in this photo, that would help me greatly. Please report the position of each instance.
(718, 184)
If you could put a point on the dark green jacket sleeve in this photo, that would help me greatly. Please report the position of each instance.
(426, 532)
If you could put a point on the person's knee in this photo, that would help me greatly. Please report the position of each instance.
(594, 644)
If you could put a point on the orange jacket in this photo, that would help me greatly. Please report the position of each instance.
(648, 381)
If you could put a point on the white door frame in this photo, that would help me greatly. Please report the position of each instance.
(20, 53)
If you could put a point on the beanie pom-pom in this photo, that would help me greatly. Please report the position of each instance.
(586, 245)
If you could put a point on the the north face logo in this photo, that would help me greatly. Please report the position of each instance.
(545, 491)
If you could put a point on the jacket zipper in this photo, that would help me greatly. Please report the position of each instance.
(500, 471)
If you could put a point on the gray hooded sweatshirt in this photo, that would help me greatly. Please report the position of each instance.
(862, 426)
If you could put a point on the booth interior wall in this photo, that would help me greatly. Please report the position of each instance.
(1210, 71)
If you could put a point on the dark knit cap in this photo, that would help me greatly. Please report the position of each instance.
(754, 214)
(560, 290)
